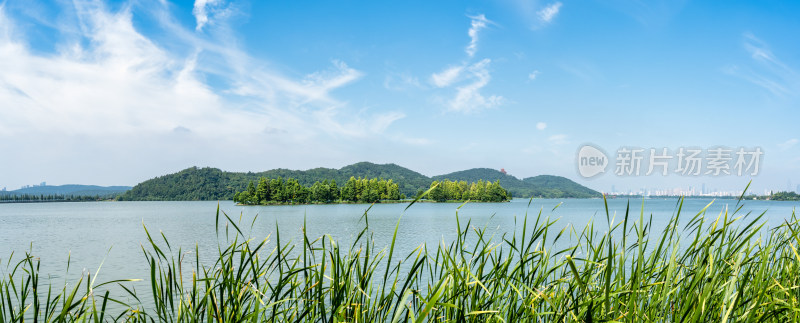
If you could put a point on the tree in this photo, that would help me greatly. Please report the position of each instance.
(334, 190)
(251, 193)
(262, 192)
(349, 191)
(291, 190)
(437, 192)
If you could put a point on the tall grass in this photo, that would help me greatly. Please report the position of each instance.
(701, 267)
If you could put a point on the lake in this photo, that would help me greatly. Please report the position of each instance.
(111, 233)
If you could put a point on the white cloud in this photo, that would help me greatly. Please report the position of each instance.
(533, 11)
(468, 78)
(547, 14)
(541, 125)
(768, 72)
(400, 82)
(788, 144)
(201, 10)
(447, 77)
(356, 125)
(559, 139)
(478, 22)
(383, 121)
(319, 84)
(122, 83)
(468, 97)
(532, 75)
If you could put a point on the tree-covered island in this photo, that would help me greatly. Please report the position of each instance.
(362, 190)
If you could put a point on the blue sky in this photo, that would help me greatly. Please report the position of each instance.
(113, 93)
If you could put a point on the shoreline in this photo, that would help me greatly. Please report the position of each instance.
(367, 203)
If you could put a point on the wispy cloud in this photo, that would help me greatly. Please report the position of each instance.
(532, 75)
(320, 83)
(788, 144)
(122, 82)
(400, 82)
(478, 22)
(548, 13)
(538, 14)
(468, 78)
(468, 97)
(541, 125)
(559, 139)
(447, 77)
(766, 69)
(202, 9)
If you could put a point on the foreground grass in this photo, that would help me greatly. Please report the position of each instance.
(724, 267)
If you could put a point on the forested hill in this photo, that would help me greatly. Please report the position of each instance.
(557, 186)
(546, 186)
(213, 184)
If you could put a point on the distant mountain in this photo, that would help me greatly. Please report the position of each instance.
(76, 190)
(410, 181)
(214, 184)
(546, 186)
(190, 184)
(557, 186)
(515, 186)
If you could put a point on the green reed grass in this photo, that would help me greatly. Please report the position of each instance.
(720, 268)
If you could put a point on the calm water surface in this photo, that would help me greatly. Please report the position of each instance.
(111, 233)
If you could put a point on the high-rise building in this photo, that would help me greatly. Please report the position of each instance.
(798, 189)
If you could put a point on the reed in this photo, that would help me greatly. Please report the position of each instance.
(700, 267)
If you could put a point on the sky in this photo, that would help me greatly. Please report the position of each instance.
(117, 92)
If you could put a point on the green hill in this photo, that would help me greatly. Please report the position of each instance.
(515, 186)
(545, 186)
(410, 181)
(557, 186)
(214, 184)
(194, 183)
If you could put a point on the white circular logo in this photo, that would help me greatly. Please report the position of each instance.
(591, 161)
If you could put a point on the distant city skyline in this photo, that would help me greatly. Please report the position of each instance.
(109, 92)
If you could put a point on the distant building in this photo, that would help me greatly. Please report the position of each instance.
(503, 170)
(43, 184)
(798, 189)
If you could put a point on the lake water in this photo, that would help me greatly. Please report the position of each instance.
(91, 233)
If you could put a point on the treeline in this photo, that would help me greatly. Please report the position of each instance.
(447, 190)
(194, 183)
(784, 196)
(27, 198)
(362, 190)
(290, 191)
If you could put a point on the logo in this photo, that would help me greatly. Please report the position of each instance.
(684, 161)
(591, 161)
